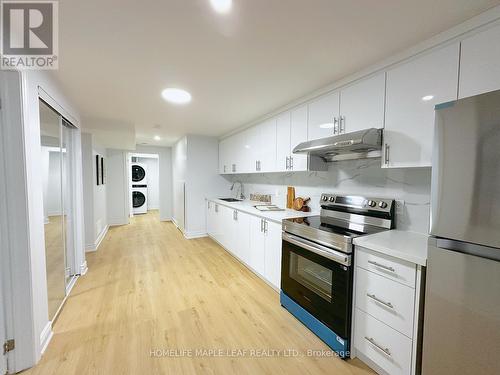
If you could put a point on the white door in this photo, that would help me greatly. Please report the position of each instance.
(273, 253)
(283, 142)
(256, 256)
(323, 116)
(266, 146)
(413, 90)
(362, 104)
(298, 134)
(480, 63)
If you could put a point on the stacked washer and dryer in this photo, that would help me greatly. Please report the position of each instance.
(139, 188)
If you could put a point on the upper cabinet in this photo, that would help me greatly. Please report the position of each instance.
(362, 105)
(324, 116)
(263, 147)
(480, 63)
(291, 129)
(413, 89)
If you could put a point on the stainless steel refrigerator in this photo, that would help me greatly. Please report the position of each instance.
(462, 300)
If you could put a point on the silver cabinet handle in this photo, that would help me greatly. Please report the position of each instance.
(287, 163)
(335, 125)
(234, 167)
(375, 298)
(261, 225)
(341, 124)
(224, 169)
(216, 208)
(386, 351)
(291, 162)
(208, 205)
(386, 154)
(259, 165)
(235, 215)
(265, 226)
(376, 264)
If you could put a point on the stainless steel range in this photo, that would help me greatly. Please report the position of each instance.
(317, 254)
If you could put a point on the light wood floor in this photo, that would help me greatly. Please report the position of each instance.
(148, 288)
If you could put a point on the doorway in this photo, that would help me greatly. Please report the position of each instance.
(144, 183)
(56, 140)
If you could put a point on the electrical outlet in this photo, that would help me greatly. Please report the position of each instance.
(400, 206)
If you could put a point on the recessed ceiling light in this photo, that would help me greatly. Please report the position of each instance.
(176, 96)
(157, 138)
(326, 126)
(427, 98)
(221, 6)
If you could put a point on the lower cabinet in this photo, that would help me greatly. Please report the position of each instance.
(386, 312)
(253, 240)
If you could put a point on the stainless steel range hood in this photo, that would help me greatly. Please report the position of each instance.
(362, 144)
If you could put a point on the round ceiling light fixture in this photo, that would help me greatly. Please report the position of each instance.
(221, 6)
(157, 138)
(176, 96)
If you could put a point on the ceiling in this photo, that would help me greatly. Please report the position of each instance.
(116, 56)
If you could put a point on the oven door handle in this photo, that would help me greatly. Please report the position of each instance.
(324, 251)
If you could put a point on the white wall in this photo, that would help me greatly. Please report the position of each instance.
(165, 193)
(195, 169)
(362, 177)
(95, 209)
(117, 198)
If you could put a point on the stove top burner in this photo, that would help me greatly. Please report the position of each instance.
(336, 226)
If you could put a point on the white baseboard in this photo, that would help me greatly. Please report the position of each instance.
(116, 222)
(45, 337)
(83, 268)
(93, 247)
(193, 235)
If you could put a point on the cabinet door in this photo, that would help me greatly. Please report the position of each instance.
(480, 63)
(218, 224)
(283, 142)
(210, 219)
(266, 146)
(225, 223)
(362, 104)
(224, 165)
(298, 134)
(242, 236)
(413, 89)
(273, 253)
(256, 255)
(323, 112)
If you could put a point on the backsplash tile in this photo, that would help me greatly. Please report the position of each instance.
(363, 177)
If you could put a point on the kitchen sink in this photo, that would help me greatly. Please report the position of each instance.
(230, 199)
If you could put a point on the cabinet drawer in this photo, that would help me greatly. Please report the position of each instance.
(392, 268)
(388, 348)
(386, 300)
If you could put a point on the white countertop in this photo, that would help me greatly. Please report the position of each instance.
(276, 216)
(408, 246)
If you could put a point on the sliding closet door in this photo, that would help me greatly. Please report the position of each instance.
(55, 249)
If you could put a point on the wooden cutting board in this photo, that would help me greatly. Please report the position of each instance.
(290, 197)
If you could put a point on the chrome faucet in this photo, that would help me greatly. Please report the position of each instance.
(241, 195)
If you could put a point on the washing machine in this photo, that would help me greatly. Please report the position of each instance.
(138, 174)
(140, 199)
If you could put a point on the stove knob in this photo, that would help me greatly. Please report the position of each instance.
(382, 204)
(332, 199)
(325, 198)
(372, 203)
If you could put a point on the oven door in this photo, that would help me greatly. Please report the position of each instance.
(320, 280)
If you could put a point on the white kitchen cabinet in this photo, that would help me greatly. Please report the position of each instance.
(362, 104)
(239, 233)
(480, 63)
(298, 134)
(224, 156)
(413, 89)
(263, 146)
(211, 219)
(256, 256)
(272, 266)
(283, 137)
(323, 116)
